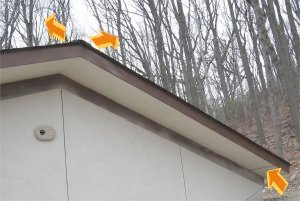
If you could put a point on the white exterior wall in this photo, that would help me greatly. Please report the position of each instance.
(108, 158)
(32, 169)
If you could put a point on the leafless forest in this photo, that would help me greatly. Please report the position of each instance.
(238, 61)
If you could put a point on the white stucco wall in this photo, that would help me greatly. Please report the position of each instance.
(31, 169)
(108, 158)
(207, 181)
(116, 159)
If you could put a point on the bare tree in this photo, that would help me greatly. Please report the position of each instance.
(9, 19)
(249, 75)
(280, 58)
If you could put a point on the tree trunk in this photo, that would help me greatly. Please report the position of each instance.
(164, 70)
(249, 76)
(220, 67)
(273, 102)
(255, 46)
(288, 73)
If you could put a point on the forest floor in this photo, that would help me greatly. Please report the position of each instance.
(291, 153)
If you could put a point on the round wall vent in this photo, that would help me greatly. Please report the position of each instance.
(44, 133)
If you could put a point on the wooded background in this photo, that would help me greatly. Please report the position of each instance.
(238, 61)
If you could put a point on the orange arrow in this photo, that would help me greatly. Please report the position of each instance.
(55, 28)
(276, 180)
(105, 40)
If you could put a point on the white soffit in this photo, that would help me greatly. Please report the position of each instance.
(124, 93)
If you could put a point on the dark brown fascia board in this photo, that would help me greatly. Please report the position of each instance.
(30, 55)
(58, 81)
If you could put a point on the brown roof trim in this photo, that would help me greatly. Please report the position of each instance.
(58, 81)
(29, 55)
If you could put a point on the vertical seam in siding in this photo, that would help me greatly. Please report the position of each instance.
(182, 173)
(63, 121)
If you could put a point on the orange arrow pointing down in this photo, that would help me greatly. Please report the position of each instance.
(105, 40)
(55, 28)
(276, 181)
